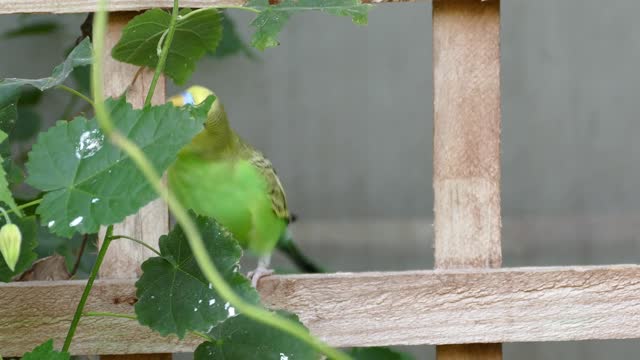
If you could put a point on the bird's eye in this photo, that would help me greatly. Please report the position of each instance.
(188, 98)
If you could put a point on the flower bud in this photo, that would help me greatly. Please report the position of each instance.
(10, 240)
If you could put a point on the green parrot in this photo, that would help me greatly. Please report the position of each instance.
(218, 175)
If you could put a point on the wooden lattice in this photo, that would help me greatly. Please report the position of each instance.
(466, 300)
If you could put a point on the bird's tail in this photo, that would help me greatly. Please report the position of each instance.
(291, 251)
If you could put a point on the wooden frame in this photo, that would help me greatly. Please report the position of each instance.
(361, 309)
(463, 301)
(80, 6)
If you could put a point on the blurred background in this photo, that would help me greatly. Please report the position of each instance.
(345, 114)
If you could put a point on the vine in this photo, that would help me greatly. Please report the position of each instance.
(126, 146)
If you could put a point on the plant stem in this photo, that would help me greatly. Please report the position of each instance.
(115, 237)
(165, 52)
(76, 93)
(87, 289)
(181, 215)
(7, 219)
(194, 12)
(110, 314)
(28, 204)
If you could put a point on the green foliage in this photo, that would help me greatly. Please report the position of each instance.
(241, 338)
(196, 33)
(28, 126)
(27, 227)
(173, 295)
(49, 244)
(378, 353)
(5, 193)
(86, 181)
(90, 182)
(231, 43)
(10, 89)
(9, 97)
(272, 18)
(79, 56)
(45, 351)
(35, 28)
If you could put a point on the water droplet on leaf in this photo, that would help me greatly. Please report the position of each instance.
(76, 221)
(90, 143)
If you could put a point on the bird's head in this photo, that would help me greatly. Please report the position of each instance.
(216, 122)
(192, 96)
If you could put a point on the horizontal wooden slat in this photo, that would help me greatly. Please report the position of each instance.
(363, 309)
(81, 6)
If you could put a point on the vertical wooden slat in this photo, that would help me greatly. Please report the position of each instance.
(466, 63)
(124, 258)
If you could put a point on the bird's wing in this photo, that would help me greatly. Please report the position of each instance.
(276, 192)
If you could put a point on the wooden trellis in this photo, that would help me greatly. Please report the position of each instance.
(465, 300)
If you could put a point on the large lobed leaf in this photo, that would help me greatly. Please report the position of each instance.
(45, 351)
(194, 36)
(241, 338)
(272, 18)
(174, 296)
(89, 181)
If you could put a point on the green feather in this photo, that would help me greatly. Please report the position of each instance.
(220, 176)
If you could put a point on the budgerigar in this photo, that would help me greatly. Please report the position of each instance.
(219, 175)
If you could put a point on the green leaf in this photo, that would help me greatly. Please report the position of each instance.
(378, 353)
(29, 242)
(89, 181)
(5, 193)
(79, 56)
(173, 294)
(241, 338)
(82, 78)
(9, 97)
(41, 27)
(28, 126)
(195, 35)
(272, 18)
(29, 96)
(46, 352)
(231, 42)
(15, 174)
(50, 244)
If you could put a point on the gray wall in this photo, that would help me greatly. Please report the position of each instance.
(344, 112)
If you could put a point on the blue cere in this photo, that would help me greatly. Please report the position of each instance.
(188, 98)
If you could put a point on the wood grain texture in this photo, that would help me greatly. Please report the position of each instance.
(81, 6)
(124, 257)
(466, 158)
(361, 309)
(466, 57)
(41, 310)
(138, 357)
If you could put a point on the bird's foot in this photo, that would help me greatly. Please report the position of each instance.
(257, 274)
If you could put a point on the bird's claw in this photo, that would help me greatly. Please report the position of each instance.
(257, 274)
